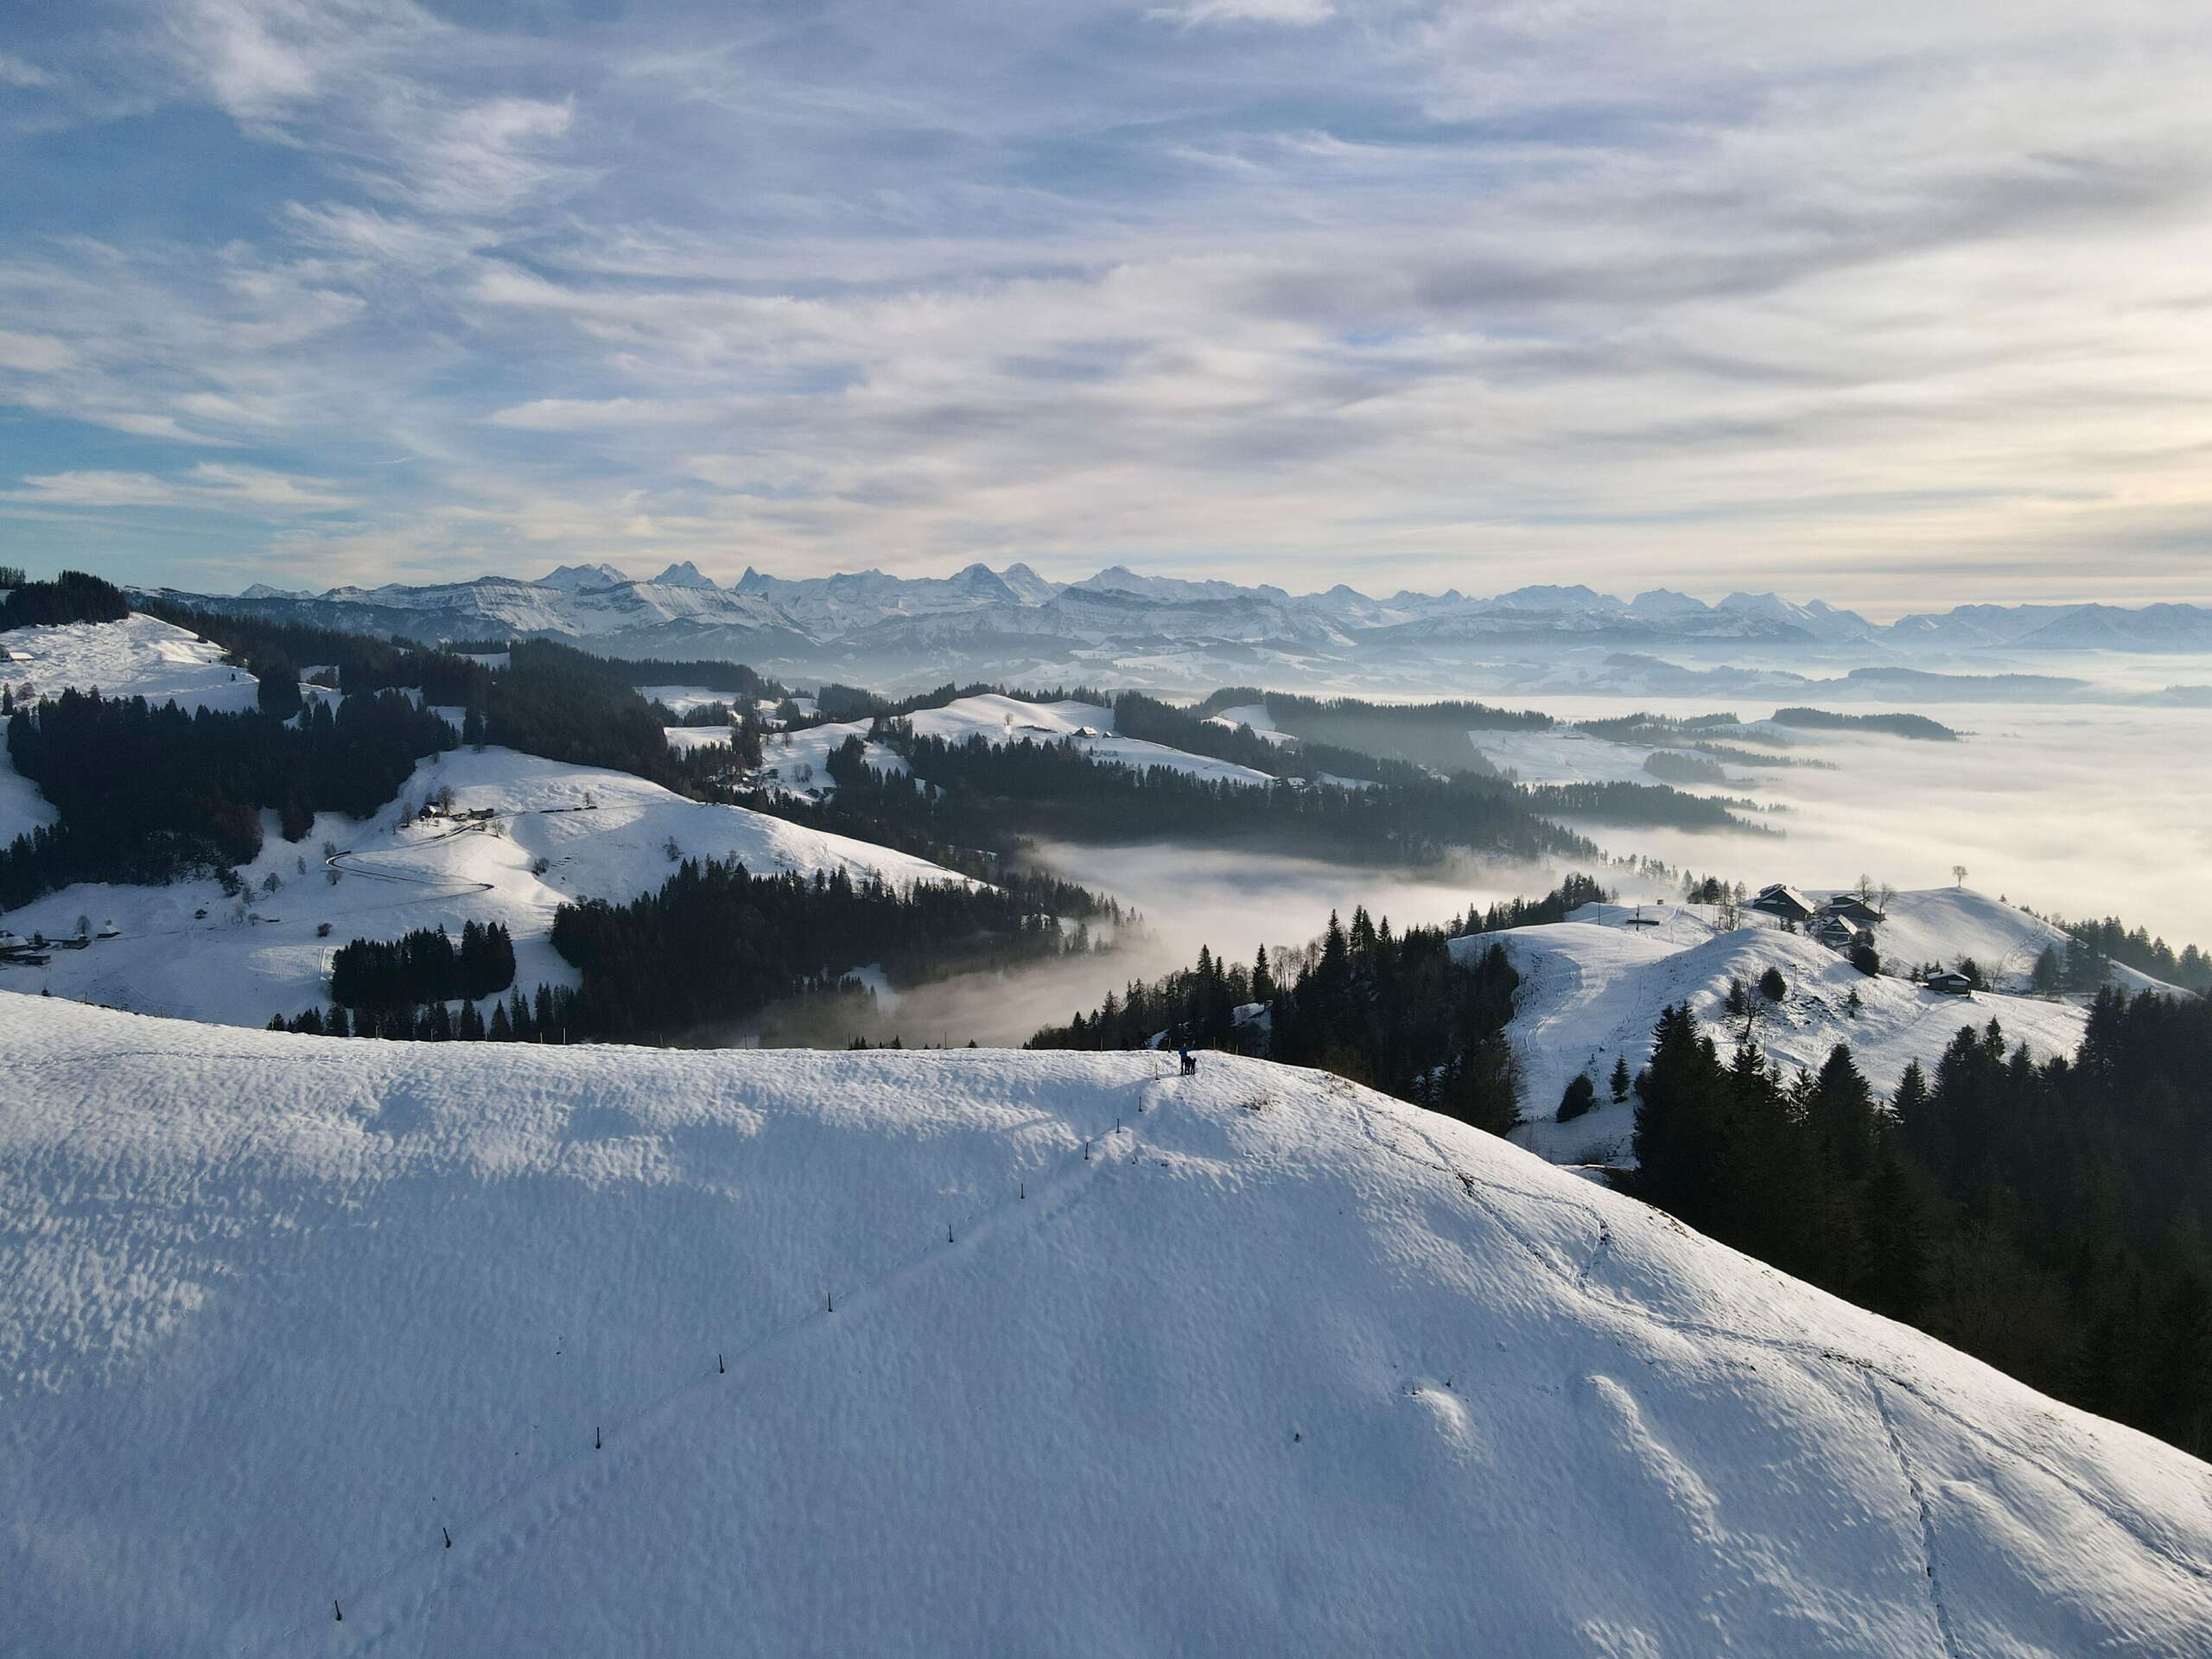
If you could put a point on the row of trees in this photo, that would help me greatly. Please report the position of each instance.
(2111, 940)
(361, 664)
(427, 965)
(545, 1018)
(148, 794)
(717, 942)
(2045, 1218)
(73, 596)
(1405, 1012)
(713, 946)
(992, 794)
(1430, 736)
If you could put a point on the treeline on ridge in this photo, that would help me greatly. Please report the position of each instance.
(716, 943)
(427, 965)
(2045, 1218)
(72, 596)
(148, 794)
(992, 795)
(1402, 1012)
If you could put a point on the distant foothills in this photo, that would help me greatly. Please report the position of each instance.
(1014, 622)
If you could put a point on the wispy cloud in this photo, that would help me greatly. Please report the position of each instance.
(1712, 294)
(207, 486)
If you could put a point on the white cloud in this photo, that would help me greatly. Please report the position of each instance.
(1714, 294)
(34, 353)
(581, 415)
(14, 72)
(207, 486)
(1296, 12)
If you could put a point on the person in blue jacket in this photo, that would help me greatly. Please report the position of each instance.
(1190, 1060)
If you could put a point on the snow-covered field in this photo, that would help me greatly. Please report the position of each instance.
(603, 834)
(1563, 756)
(137, 657)
(682, 699)
(1254, 715)
(684, 739)
(1118, 1364)
(1592, 986)
(798, 763)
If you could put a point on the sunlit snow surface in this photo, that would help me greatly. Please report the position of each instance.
(801, 764)
(1281, 1367)
(600, 834)
(1593, 986)
(137, 657)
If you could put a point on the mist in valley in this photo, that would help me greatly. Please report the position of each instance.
(2078, 810)
(1186, 897)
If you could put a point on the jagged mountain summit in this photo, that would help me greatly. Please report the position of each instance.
(1120, 624)
(333, 1346)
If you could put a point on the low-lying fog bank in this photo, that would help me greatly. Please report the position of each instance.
(2080, 811)
(1231, 902)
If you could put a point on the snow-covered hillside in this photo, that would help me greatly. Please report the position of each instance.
(137, 657)
(694, 1354)
(800, 763)
(1592, 986)
(601, 835)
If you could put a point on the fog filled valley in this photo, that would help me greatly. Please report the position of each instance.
(1586, 1105)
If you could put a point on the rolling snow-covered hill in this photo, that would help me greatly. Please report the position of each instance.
(137, 657)
(601, 835)
(1593, 986)
(502, 1350)
(800, 759)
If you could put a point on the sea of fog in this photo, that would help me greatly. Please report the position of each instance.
(2072, 811)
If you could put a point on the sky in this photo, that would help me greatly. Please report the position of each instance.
(1898, 305)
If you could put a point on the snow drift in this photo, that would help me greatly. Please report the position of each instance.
(1118, 1363)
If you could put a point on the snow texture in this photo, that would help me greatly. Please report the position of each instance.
(1119, 1364)
(137, 657)
(603, 834)
(1593, 986)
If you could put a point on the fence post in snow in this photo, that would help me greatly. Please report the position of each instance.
(594, 1437)
(718, 1365)
(337, 1613)
(447, 1535)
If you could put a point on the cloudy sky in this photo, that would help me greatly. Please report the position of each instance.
(1894, 303)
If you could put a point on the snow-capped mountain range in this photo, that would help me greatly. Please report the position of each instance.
(1163, 628)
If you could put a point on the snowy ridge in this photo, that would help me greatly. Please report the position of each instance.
(802, 765)
(1592, 987)
(137, 657)
(1118, 1363)
(602, 835)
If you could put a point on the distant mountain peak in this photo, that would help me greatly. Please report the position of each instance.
(576, 578)
(685, 575)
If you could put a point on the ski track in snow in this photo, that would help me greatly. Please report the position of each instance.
(546, 1500)
(1870, 1369)
(504, 1541)
(515, 1519)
